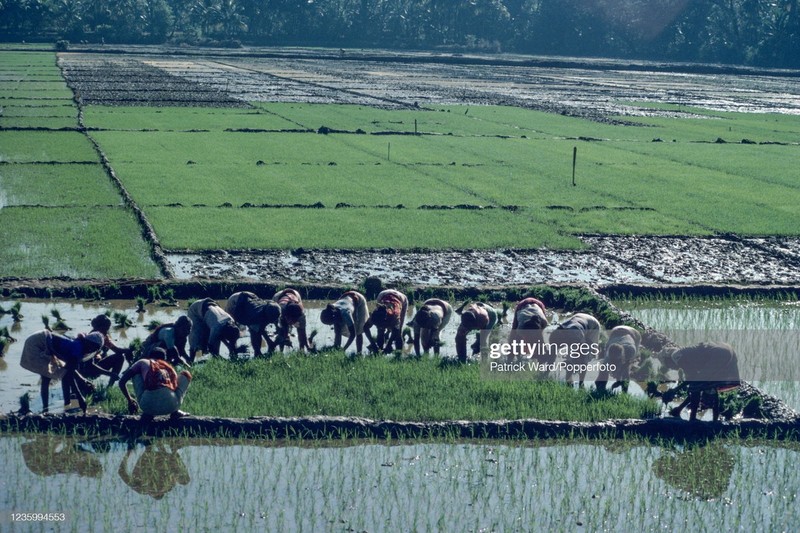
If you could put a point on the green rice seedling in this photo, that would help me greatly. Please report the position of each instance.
(167, 119)
(4, 342)
(24, 404)
(153, 293)
(168, 297)
(85, 244)
(122, 320)
(46, 321)
(15, 311)
(140, 303)
(4, 334)
(45, 146)
(78, 185)
(287, 228)
(59, 324)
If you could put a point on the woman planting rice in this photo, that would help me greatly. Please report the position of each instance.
(388, 316)
(248, 309)
(159, 389)
(103, 363)
(210, 326)
(622, 353)
(347, 315)
(172, 338)
(292, 315)
(428, 324)
(54, 356)
(529, 323)
(709, 368)
(475, 316)
(578, 340)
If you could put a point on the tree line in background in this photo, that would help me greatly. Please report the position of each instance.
(751, 32)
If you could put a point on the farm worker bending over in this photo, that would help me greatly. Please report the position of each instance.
(54, 356)
(578, 339)
(210, 325)
(248, 309)
(708, 369)
(474, 316)
(103, 363)
(172, 338)
(622, 351)
(429, 322)
(347, 315)
(389, 316)
(293, 315)
(529, 323)
(159, 389)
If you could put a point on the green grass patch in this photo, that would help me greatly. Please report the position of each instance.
(11, 110)
(182, 118)
(51, 123)
(357, 228)
(57, 185)
(712, 125)
(626, 184)
(385, 389)
(455, 120)
(45, 146)
(97, 242)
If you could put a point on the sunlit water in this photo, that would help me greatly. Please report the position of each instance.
(191, 485)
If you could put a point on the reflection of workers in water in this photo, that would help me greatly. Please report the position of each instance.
(157, 471)
(48, 455)
(703, 471)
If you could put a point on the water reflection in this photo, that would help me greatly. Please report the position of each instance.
(47, 455)
(704, 471)
(460, 486)
(158, 470)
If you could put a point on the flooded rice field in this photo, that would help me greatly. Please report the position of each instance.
(608, 260)
(351, 486)
(16, 381)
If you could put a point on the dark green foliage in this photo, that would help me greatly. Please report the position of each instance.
(737, 31)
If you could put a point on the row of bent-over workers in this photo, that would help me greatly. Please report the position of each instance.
(350, 317)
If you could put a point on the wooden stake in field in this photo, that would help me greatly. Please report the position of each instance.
(574, 160)
(389, 151)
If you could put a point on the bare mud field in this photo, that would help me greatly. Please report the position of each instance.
(609, 260)
(594, 88)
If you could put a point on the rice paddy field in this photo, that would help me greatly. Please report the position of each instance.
(368, 486)
(211, 162)
(110, 160)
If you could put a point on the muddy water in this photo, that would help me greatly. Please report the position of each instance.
(615, 259)
(376, 487)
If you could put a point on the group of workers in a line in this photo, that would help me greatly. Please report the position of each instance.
(159, 389)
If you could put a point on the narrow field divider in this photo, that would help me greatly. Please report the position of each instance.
(148, 233)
